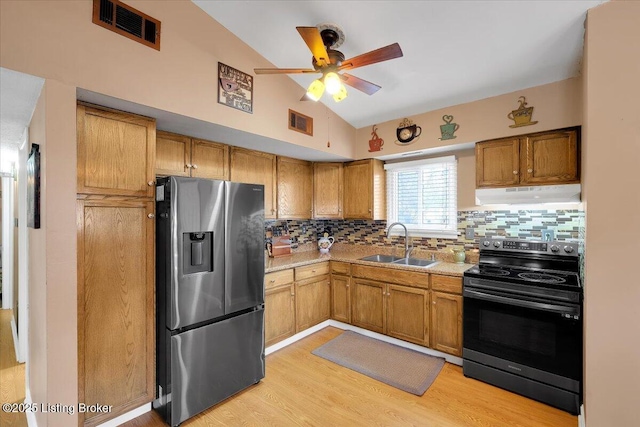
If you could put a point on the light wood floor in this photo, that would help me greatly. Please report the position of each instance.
(11, 374)
(301, 389)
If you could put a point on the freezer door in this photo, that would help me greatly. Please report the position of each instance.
(196, 251)
(213, 362)
(244, 282)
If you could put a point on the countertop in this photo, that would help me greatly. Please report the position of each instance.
(353, 255)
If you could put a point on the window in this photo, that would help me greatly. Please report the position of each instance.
(422, 194)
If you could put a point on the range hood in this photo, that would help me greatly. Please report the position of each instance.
(568, 193)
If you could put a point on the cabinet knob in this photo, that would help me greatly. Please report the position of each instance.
(188, 166)
(151, 183)
(272, 281)
(194, 166)
(434, 303)
(151, 215)
(347, 286)
(515, 172)
(529, 170)
(313, 271)
(339, 210)
(369, 210)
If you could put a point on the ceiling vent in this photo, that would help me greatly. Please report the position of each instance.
(127, 21)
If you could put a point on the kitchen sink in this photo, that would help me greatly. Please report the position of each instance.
(381, 258)
(414, 261)
(390, 259)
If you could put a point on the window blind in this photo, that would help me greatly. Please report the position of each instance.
(422, 194)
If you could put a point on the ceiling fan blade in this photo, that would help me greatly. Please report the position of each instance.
(383, 54)
(312, 38)
(360, 84)
(283, 70)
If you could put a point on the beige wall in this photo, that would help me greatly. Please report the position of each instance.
(57, 40)
(612, 155)
(556, 105)
(53, 360)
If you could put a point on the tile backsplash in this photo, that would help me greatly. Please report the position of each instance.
(522, 224)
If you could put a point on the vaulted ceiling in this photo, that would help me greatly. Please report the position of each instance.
(454, 51)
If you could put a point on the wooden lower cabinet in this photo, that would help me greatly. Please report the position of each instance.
(313, 297)
(279, 313)
(446, 322)
(341, 298)
(116, 307)
(408, 314)
(368, 305)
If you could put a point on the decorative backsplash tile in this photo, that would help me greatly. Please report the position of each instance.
(521, 224)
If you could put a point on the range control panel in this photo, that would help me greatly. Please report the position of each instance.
(552, 247)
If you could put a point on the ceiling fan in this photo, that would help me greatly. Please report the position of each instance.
(323, 41)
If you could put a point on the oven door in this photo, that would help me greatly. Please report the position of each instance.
(523, 334)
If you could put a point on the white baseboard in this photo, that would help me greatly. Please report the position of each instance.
(582, 422)
(16, 344)
(31, 416)
(345, 326)
(134, 413)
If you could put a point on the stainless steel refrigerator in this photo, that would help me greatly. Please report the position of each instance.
(210, 293)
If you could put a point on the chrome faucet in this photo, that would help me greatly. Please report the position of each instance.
(407, 249)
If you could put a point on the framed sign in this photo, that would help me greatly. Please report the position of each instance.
(235, 88)
(33, 187)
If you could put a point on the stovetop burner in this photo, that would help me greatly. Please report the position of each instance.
(494, 271)
(542, 277)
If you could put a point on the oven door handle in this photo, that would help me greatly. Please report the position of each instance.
(574, 312)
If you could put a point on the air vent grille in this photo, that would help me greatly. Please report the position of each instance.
(300, 122)
(127, 21)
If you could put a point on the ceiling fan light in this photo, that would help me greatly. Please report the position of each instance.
(332, 83)
(315, 90)
(341, 94)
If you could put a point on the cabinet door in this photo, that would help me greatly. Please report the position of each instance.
(368, 305)
(209, 160)
(312, 302)
(340, 298)
(358, 190)
(173, 154)
(498, 163)
(550, 158)
(279, 314)
(116, 152)
(446, 323)
(255, 167)
(408, 314)
(327, 190)
(295, 188)
(116, 315)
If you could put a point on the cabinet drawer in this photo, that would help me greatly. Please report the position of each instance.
(340, 268)
(277, 278)
(446, 283)
(391, 275)
(312, 270)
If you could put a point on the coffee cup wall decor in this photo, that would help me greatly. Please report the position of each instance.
(447, 130)
(522, 116)
(375, 143)
(407, 132)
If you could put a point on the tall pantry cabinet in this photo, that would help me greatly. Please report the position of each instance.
(116, 260)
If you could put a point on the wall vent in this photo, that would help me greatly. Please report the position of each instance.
(300, 122)
(127, 21)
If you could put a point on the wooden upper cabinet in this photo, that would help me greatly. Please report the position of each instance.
(540, 158)
(328, 179)
(116, 152)
(498, 163)
(173, 154)
(183, 156)
(549, 158)
(255, 167)
(295, 188)
(365, 190)
(209, 160)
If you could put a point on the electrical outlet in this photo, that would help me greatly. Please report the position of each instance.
(469, 233)
(547, 235)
